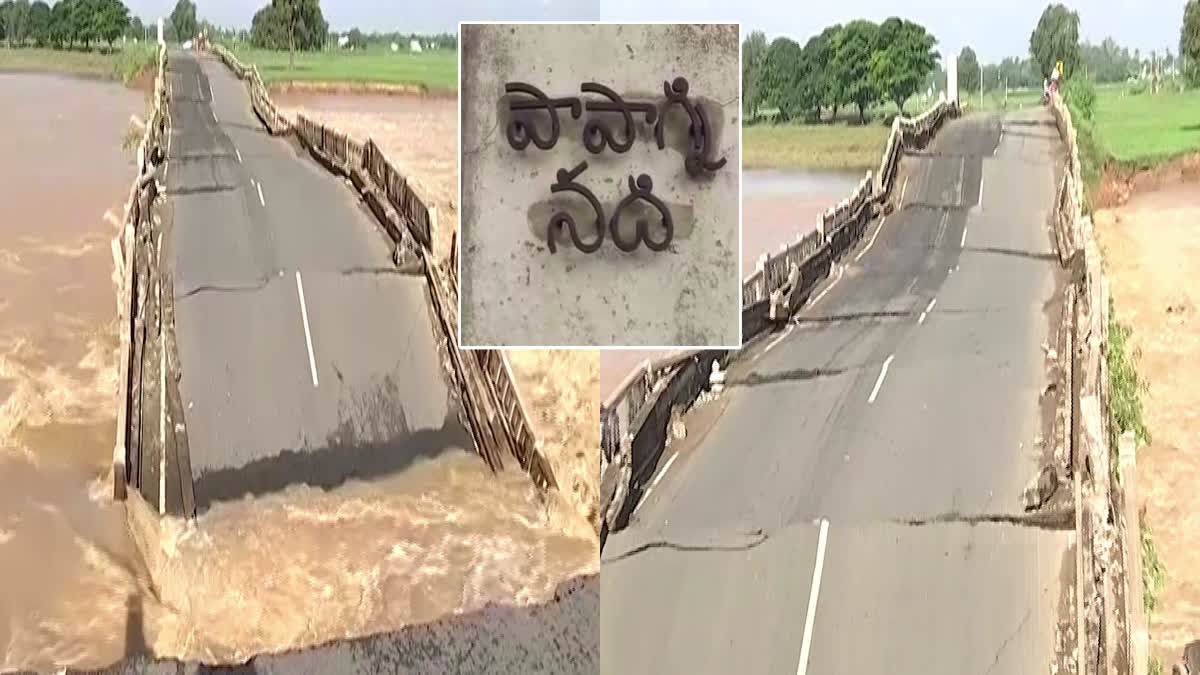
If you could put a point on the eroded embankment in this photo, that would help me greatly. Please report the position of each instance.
(1149, 233)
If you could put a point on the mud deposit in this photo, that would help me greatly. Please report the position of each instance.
(289, 571)
(1150, 245)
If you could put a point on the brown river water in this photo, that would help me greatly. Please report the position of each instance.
(290, 570)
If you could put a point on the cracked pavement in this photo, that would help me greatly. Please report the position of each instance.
(289, 310)
(855, 502)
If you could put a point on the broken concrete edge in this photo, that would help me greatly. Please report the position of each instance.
(839, 228)
(126, 302)
(1112, 631)
(521, 441)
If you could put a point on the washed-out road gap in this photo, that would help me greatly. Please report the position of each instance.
(305, 357)
(799, 494)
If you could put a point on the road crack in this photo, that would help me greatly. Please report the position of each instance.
(1051, 519)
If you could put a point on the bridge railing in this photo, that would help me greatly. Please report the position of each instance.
(136, 283)
(771, 292)
(1110, 621)
(498, 419)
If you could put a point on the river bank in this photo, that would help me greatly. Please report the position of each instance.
(129, 64)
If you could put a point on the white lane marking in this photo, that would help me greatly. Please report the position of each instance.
(941, 232)
(215, 118)
(199, 87)
(260, 197)
(312, 362)
(778, 339)
(662, 472)
(239, 156)
(980, 204)
(879, 381)
(902, 191)
(928, 309)
(962, 168)
(962, 243)
(873, 238)
(912, 284)
(210, 94)
(814, 591)
(828, 288)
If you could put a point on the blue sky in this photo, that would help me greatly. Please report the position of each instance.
(995, 29)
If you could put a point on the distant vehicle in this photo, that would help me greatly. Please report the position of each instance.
(187, 45)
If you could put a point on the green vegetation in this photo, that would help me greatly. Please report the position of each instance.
(123, 64)
(813, 146)
(1189, 42)
(1055, 40)
(1144, 129)
(1154, 575)
(1125, 405)
(435, 70)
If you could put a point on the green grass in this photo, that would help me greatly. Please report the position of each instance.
(1145, 129)
(1154, 575)
(122, 64)
(433, 70)
(813, 146)
(1125, 403)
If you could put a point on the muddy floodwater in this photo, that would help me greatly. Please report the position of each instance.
(290, 570)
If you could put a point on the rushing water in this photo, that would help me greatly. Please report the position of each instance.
(289, 570)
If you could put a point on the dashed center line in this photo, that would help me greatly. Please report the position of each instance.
(312, 362)
(879, 382)
(260, 194)
(214, 114)
(239, 155)
(962, 243)
(928, 308)
(814, 591)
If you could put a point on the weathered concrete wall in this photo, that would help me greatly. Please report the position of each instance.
(514, 291)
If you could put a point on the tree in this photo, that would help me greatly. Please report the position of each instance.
(818, 54)
(291, 25)
(39, 22)
(1056, 38)
(110, 18)
(1189, 42)
(136, 28)
(780, 77)
(15, 17)
(356, 39)
(902, 58)
(852, 64)
(754, 48)
(184, 26)
(968, 70)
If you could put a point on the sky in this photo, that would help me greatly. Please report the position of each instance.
(994, 29)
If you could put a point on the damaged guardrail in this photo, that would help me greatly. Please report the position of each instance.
(1109, 619)
(495, 412)
(634, 417)
(145, 428)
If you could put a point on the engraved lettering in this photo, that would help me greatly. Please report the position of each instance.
(641, 189)
(566, 183)
(522, 127)
(596, 134)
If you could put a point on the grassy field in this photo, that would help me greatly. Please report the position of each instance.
(122, 64)
(1143, 129)
(434, 70)
(813, 146)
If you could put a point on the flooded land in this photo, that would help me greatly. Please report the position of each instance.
(293, 569)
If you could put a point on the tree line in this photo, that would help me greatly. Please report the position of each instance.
(1055, 39)
(67, 23)
(858, 64)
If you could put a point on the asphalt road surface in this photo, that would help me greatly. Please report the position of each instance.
(790, 535)
(306, 356)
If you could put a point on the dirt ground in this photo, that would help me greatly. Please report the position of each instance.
(1150, 238)
(561, 388)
